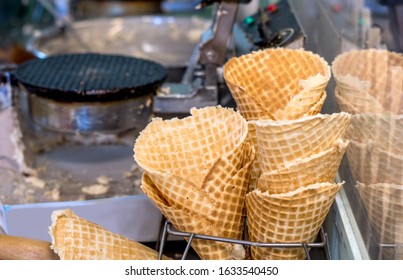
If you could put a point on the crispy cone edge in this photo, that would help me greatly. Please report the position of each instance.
(60, 250)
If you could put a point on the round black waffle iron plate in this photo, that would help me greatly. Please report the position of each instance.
(90, 77)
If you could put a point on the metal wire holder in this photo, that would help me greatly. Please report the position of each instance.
(397, 248)
(169, 230)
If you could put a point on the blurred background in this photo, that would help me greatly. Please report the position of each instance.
(20, 20)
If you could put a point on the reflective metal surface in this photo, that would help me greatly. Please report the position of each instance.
(201, 79)
(168, 40)
(107, 117)
(321, 242)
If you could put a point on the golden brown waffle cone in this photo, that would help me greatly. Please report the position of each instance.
(320, 167)
(248, 107)
(303, 104)
(75, 238)
(276, 83)
(370, 165)
(255, 172)
(317, 107)
(189, 147)
(370, 75)
(198, 168)
(282, 142)
(384, 206)
(287, 218)
(221, 214)
(385, 131)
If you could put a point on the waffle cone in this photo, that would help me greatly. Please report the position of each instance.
(384, 206)
(182, 193)
(74, 238)
(249, 108)
(320, 167)
(276, 83)
(197, 171)
(345, 106)
(317, 107)
(255, 172)
(371, 165)
(372, 75)
(302, 104)
(287, 218)
(219, 213)
(355, 103)
(282, 142)
(384, 131)
(189, 147)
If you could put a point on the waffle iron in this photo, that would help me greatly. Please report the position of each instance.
(89, 92)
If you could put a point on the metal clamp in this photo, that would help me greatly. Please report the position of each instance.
(199, 85)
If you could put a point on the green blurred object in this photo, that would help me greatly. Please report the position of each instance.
(10, 20)
(19, 17)
(249, 21)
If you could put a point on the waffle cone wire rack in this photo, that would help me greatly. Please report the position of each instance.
(168, 229)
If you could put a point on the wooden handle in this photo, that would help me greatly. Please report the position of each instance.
(21, 248)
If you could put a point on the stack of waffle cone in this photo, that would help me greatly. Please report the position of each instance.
(369, 80)
(75, 238)
(384, 204)
(277, 83)
(375, 157)
(382, 130)
(197, 170)
(369, 84)
(283, 142)
(369, 164)
(375, 154)
(291, 217)
(298, 160)
(320, 167)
